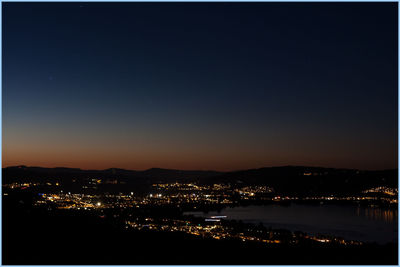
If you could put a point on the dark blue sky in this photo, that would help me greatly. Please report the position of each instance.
(200, 85)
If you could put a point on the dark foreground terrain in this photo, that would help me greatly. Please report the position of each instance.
(39, 236)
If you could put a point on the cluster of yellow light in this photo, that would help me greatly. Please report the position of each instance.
(30, 184)
(213, 231)
(383, 189)
(253, 190)
(218, 231)
(337, 240)
(72, 201)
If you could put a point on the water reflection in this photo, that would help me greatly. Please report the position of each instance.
(369, 224)
(377, 214)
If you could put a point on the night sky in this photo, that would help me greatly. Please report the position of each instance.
(222, 86)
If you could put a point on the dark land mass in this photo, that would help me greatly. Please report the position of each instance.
(47, 235)
(37, 236)
(287, 179)
(152, 175)
(312, 180)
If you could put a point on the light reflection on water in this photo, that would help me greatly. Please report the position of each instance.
(377, 214)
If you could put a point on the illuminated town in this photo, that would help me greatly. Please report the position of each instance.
(189, 193)
(131, 209)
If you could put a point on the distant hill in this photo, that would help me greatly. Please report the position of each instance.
(154, 174)
(294, 179)
(311, 179)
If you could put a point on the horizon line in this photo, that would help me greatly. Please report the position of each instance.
(203, 170)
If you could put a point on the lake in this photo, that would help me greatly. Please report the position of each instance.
(369, 224)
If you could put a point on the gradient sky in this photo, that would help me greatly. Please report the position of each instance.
(221, 86)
